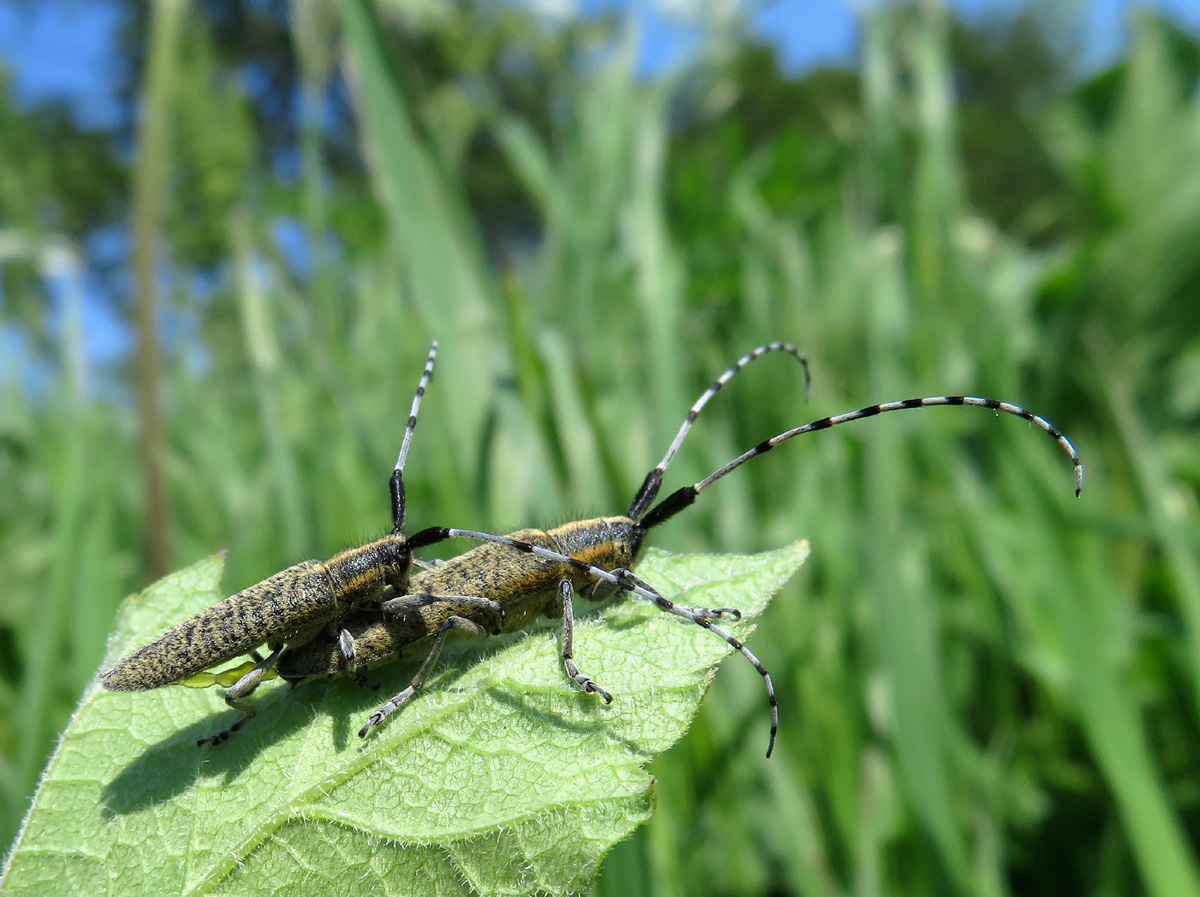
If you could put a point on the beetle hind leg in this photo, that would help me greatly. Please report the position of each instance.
(465, 628)
(241, 689)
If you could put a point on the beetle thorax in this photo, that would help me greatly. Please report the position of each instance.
(360, 574)
(607, 542)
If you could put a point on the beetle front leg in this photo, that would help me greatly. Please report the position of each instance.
(713, 613)
(565, 592)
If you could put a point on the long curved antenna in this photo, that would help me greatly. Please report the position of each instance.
(626, 581)
(396, 484)
(653, 482)
(681, 498)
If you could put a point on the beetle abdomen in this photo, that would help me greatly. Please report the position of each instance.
(235, 626)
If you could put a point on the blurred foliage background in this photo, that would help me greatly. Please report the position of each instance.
(987, 687)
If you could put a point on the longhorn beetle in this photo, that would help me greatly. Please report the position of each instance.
(518, 588)
(288, 608)
(593, 557)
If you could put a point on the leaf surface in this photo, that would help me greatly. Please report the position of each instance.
(499, 778)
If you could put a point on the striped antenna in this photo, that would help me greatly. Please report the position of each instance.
(396, 485)
(426, 376)
(681, 498)
(653, 482)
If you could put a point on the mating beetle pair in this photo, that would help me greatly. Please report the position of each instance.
(365, 606)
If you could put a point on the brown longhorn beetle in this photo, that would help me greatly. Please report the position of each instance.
(530, 573)
(287, 609)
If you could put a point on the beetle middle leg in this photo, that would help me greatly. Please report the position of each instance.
(421, 599)
(400, 605)
(466, 628)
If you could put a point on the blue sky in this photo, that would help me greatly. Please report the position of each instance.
(65, 49)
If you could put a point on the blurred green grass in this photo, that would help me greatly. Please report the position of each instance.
(987, 687)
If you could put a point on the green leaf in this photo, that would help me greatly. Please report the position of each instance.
(500, 778)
